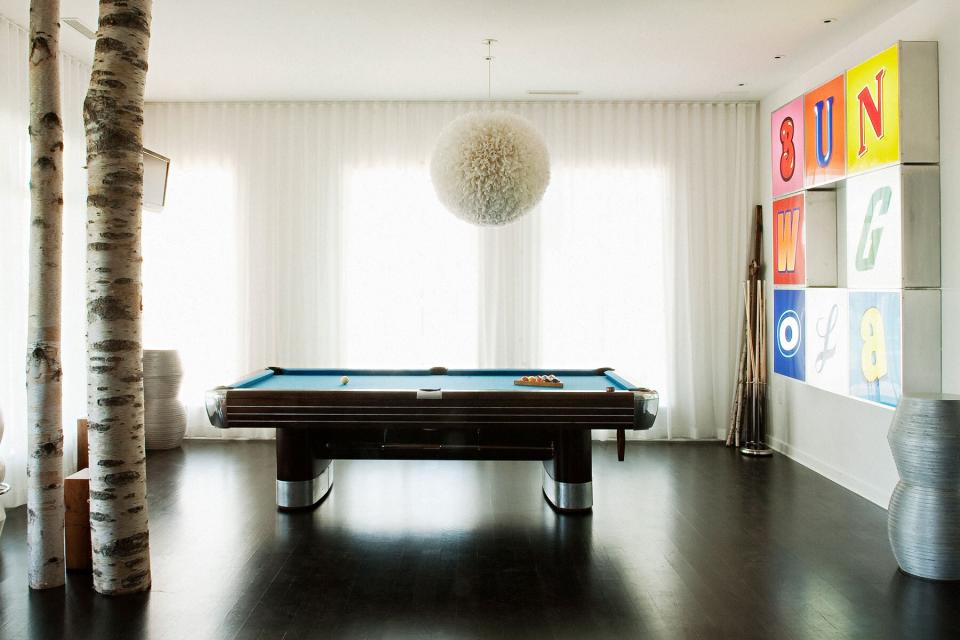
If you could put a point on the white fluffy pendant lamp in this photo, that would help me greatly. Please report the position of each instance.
(490, 168)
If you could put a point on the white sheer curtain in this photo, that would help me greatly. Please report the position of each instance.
(309, 235)
(14, 251)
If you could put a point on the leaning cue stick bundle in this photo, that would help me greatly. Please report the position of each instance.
(747, 413)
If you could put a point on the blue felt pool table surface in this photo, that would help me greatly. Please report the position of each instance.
(453, 380)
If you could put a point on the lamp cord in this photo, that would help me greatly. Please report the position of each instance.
(489, 58)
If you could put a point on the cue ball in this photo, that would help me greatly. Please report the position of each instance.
(344, 379)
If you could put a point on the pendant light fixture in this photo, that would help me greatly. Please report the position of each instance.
(490, 167)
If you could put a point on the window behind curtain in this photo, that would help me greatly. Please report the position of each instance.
(602, 272)
(409, 274)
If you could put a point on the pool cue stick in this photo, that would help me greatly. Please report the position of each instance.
(756, 393)
(751, 355)
(763, 367)
(744, 421)
(745, 399)
(737, 392)
(737, 388)
(741, 391)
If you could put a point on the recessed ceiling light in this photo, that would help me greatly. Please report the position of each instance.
(780, 57)
(740, 84)
(829, 20)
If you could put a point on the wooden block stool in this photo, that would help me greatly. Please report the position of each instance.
(76, 498)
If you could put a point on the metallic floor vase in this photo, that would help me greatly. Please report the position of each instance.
(924, 517)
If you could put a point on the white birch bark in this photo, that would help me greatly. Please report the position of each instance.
(113, 115)
(45, 428)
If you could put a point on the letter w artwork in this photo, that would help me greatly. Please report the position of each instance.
(788, 237)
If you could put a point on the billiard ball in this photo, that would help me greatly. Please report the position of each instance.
(344, 379)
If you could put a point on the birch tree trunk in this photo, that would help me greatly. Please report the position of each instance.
(45, 432)
(113, 115)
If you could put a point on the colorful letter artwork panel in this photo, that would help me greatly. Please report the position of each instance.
(875, 372)
(788, 354)
(786, 136)
(873, 112)
(849, 125)
(824, 111)
(827, 339)
(874, 233)
(857, 156)
(789, 256)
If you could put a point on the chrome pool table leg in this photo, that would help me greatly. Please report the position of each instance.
(567, 496)
(304, 477)
(568, 476)
(300, 494)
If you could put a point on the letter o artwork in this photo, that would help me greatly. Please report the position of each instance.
(788, 333)
(788, 150)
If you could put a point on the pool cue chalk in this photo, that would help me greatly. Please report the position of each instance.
(610, 389)
(344, 379)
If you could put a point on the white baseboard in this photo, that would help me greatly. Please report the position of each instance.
(876, 495)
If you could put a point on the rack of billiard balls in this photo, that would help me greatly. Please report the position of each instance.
(549, 380)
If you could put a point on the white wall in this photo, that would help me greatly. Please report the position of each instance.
(841, 438)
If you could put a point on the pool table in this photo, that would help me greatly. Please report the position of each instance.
(456, 414)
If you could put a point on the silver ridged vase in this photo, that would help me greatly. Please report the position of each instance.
(923, 521)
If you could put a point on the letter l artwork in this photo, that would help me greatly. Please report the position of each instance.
(825, 331)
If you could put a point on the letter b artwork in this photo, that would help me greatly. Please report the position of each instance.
(875, 368)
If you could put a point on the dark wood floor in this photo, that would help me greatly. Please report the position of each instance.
(685, 541)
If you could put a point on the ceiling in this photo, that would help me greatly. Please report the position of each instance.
(431, 49)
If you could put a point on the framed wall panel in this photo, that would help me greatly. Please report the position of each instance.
(892, 228)
(786, 131)
(789, 261)
(892, 108)
(827, 339)
(824, 116)
(875, 346)
(788, 330)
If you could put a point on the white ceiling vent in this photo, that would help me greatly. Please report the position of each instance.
(553, 92)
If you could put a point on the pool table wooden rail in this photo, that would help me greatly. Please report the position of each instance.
(259, 408)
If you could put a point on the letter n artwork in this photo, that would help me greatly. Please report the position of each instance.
(788, 241)
(873, 112)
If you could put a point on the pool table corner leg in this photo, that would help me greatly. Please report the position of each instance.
(304, 494)
(568, 476)
(303, 479)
